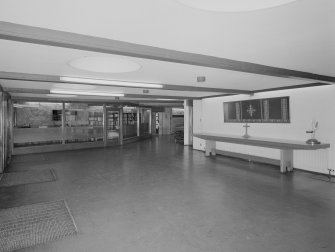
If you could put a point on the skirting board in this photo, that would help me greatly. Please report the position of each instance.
(56, 147)
(259, 159)
(71, 146)
(135, 139)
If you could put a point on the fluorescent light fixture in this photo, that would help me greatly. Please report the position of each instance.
(83, 92)
(110, 82)
(61, 95)
(16, 105)
(233, 5)
(163, 99)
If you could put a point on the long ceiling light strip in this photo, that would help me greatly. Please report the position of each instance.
(81, 92)
(110, 82)
(165, 99)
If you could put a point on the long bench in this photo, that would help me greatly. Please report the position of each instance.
(286, 147)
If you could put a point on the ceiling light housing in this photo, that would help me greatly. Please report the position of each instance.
(61, 95)
(233, 5)
(165, 99)
(110, 82)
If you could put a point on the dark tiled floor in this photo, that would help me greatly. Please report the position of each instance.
(156, 195)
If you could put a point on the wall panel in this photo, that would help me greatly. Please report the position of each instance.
(306, 105)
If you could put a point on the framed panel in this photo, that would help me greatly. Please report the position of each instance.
(276, 110)
(271, 110)
(232, 111)
(251, 111)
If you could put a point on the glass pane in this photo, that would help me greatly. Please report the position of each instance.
(177, 120)
(83, 123)
(129, 122)
(37, 123)
(144, 121)
(113, 124)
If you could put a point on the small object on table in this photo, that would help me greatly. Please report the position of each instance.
(313, 140)
(246, 126)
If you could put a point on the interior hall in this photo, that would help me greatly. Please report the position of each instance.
(167, 125)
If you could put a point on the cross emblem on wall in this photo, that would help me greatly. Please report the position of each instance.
(251, 110)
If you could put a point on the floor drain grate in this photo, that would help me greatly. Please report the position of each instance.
(26, 226)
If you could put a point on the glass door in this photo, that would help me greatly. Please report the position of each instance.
(112, 125)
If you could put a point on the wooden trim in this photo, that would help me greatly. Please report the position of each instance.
(49, 37)
(56, 79)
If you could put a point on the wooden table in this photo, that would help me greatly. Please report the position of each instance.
(286, 146)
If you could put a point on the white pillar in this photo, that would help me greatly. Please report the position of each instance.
(150, 122)
(121, 125)
(188, 122)
(138, 121)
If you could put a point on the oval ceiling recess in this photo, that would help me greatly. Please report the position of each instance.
(233, 5)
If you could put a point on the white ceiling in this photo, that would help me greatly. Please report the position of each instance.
(298, 36)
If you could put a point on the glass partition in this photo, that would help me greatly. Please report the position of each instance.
(47, 123)
(37, 123)
(145, 115)
(129, 122)
(112, 124)
(2, 165)
(83, 123)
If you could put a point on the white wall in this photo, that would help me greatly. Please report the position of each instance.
(306, 104)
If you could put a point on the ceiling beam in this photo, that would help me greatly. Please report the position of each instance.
(56, 79)
(43, 36)
(99, 101)
(316, 84)
(45, 91)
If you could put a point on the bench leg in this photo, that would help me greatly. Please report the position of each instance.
(210, 148)
(286, 161)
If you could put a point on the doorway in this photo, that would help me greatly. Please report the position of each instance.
(112, 125)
